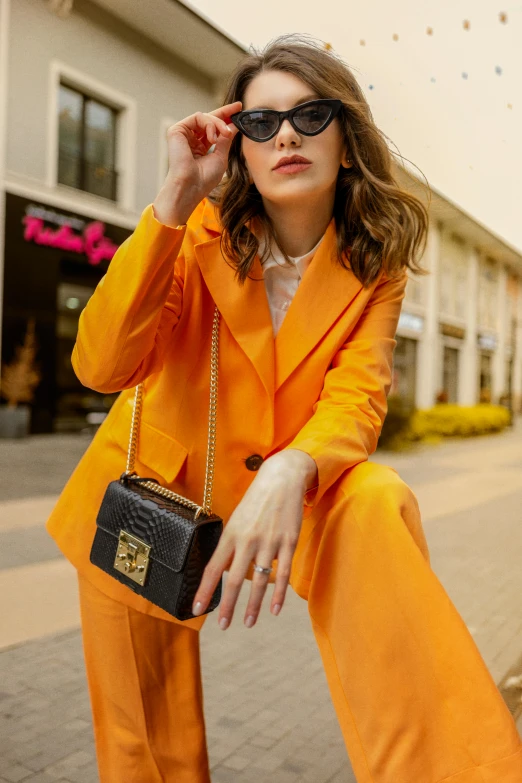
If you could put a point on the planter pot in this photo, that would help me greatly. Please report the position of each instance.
(14, 422)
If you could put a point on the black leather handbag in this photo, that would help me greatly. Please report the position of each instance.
(153, 540)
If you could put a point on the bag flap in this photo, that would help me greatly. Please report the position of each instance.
(150, 518)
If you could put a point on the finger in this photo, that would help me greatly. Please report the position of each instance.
(201, 145)
(213, 572)
(284, 567)
(224, 112)
(223, 144)
(234, 582)
(199, 121)
(211, 133)
(215, 136)
(258, 588)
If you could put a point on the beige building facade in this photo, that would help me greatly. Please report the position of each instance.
(459, 337)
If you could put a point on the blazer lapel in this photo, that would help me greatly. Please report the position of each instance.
(325, 291)
(243, 308)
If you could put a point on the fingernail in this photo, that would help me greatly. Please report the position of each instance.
(223, 623)
(249, 622)
(196, 609)
(276, 609)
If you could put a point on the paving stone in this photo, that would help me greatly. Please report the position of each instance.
(223, 775)
(86, 774)
(35, 546)
(236, 762)
(69, 764)
(51, 459)
(42, 777)
(263, 741)
(16, 773)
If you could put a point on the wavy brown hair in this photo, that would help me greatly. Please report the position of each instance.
(378, 224)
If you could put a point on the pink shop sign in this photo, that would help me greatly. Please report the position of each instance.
(91, 242)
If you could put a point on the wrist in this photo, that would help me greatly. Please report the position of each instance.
(170, 208)
(293, 465)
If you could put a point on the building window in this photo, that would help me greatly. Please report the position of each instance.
(485, 376)
(487, 304)
(508, 377)
(450, 373)
(453, 277)
(461, 288)
(86, 143)
(404, 369)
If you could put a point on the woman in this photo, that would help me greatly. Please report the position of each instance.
(304, 371)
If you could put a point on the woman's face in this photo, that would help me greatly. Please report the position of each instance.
(282, 91)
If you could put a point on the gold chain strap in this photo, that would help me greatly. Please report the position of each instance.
(211, 444)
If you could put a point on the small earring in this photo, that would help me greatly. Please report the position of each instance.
(345, 164)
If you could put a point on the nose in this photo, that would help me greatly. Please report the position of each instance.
(287, 134)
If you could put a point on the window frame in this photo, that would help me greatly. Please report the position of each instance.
(125, 137)
(85, 100)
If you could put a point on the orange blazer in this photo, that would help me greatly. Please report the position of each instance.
(320, 385)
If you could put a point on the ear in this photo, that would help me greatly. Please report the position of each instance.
(346, 163)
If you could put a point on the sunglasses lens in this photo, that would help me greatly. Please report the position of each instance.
(259, 124)
(311, 118)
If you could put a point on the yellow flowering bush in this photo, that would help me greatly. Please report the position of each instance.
(458, 421)
(444, 420)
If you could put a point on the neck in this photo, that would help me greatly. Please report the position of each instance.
(300, 226)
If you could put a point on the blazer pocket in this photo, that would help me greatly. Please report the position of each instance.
(156, 450)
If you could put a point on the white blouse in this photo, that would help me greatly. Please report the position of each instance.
(282, 279)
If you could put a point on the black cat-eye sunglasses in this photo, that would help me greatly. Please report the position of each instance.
(308, 118)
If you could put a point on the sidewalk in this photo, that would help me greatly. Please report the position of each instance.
(268, 711)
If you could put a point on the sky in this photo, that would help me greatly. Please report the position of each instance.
(463, 132)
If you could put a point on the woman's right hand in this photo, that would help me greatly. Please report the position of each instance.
(192, 172)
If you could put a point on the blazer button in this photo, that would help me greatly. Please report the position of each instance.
(254, 462)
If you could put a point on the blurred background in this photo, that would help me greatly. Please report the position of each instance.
(88, 89)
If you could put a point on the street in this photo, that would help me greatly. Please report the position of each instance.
(268, 711)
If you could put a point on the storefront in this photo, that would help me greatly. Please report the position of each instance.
(53, 262)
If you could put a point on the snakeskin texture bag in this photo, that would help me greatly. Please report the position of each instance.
(152, 540)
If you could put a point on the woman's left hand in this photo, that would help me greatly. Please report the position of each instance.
(264, 526)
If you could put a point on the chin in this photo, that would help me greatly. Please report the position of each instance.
(294, 191)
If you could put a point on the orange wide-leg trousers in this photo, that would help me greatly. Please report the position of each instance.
(413, 696)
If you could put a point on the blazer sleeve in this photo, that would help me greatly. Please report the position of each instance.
(348, 416)
(125, 327)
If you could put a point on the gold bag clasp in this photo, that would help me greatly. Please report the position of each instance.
(132, 557)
